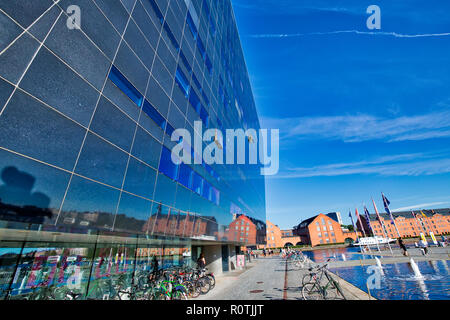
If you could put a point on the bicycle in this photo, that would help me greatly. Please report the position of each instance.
(314, 290)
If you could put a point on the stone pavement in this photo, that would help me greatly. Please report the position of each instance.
(269, 278)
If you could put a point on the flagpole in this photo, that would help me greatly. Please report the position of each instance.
(422, 225)
(383, 228)
(386, 206)
(356, 231)
(366, 212)
(362, 228)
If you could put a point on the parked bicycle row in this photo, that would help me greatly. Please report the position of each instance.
(175, 283)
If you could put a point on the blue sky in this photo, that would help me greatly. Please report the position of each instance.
(359, 111)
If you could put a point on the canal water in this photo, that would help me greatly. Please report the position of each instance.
(398, 281)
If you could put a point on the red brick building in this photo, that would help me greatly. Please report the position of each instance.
(321, 229)
(277, 238)
(410, 223)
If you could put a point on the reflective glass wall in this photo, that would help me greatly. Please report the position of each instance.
(88, 101)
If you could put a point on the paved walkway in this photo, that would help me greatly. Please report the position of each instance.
(269, 279)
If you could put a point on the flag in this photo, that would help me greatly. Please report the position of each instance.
(367, 215)
(386, 203)
(376, 211)
(423, 213)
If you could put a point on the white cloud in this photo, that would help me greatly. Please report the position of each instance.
(376, 33)
(413, 164)
(358, 128)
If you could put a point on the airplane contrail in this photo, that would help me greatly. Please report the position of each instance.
(378, 33)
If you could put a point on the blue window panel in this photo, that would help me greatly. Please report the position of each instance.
(123, 84)
(205, 98)
(197, 83)
(206, 190)
(204, 116)
(194, 100)
(197, 183)
(157, 11)
(201, 47)
(182, 82)
(169, 129)
(191, 26)
(171, 36)
(212, 26)
(215, 196)
(219, 123)
(185, 176)
(166, 164)
(208, 64)
(154, 115)
(185, 62)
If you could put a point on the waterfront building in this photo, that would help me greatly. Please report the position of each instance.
(277, 238)
(90, 93)
(322, 229)
(410, 223)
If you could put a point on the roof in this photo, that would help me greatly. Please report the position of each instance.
(408, 214)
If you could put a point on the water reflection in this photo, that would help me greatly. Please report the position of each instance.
(18, 202)
(400, 282)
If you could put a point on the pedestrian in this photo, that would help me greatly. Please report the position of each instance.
(264, 252)
(154, 266)
(423, 247)
(403, 247)
(201, 261)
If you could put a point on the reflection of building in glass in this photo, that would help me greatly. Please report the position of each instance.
(86, 117)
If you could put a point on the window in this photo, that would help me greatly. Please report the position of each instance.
(169, 129)
(157, 11)
(323, 221)
(204, 116)
(154, 115)
(191, 25)
(185, 62)
(123, 84)
(331, 227)
(194, 100)
(324, 228)
(197, 183)
(206, 190)
(166, 164)
(171, 36)
(201, 48)
(208, 64)
(185, 176)
(182, 82)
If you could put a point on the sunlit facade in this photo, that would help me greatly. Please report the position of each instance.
(88, 102)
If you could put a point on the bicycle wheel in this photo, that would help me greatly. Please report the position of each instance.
(212, 281)
(204, 285)
(339, 290)
(311, 291)
(192, 290)
(307, 278)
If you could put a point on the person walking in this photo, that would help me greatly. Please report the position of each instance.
(403, 247)
(201, 261)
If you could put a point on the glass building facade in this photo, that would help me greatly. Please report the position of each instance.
(90, 93)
